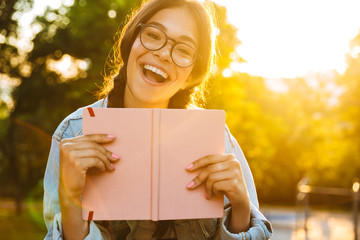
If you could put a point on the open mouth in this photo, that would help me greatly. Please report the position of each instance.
(154, 74)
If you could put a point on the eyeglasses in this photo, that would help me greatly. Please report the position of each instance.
(153, 39)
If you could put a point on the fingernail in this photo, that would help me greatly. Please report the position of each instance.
(110, 136)
(112, 166)
(190, 166)
(191, 184)
(115, 156)
(206, 195)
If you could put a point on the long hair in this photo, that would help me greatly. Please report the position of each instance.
(194, 94)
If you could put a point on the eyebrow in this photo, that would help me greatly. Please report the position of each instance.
(183, 37)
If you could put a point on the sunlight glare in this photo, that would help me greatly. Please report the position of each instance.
(112, 14)
(68, 3)
(68, 67)
(288, 39)
(356, 187)
(28, 29)
(276, 85)
(227, 72)
(7, 84)
(355, 52)
(2, 39)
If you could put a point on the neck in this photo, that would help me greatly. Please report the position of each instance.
(131, 102)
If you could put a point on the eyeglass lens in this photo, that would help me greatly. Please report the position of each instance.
(154, 39)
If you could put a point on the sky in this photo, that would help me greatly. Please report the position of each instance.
(290, 38)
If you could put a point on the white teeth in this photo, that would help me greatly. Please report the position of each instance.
(156, 70)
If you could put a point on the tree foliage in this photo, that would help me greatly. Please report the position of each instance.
(82, 35)
(44, 97)
(284, 135)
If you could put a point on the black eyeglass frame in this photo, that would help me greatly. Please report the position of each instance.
(142, 26)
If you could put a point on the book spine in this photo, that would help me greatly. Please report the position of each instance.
(155, 164)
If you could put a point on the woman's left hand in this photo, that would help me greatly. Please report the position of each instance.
(222, 174)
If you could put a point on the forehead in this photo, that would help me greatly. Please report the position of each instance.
(178, 23)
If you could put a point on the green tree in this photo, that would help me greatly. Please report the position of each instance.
(284, 135)
(10, 71)
(44, 96)
(349, 111)
(81, 34)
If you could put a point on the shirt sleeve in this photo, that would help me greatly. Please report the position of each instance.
(52, 214)
(260, 227)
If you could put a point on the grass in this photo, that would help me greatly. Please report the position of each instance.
(27, 225)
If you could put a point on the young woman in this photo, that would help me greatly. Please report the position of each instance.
(161, 60)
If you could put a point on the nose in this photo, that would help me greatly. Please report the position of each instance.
(164, 53)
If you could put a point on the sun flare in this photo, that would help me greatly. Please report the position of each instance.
(283, 38)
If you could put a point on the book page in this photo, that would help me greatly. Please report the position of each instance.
(185, 136)
(126, 192)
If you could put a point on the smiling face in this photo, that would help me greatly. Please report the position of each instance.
(152, 77)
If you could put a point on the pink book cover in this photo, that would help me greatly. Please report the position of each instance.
(155, 146)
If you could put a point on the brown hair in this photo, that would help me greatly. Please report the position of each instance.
(194, 94)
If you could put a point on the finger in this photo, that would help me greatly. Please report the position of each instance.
(93, 145)
(86, 145)
(234, 189)
(94, 153)
(90, 162)
(205, 172)
(99, 138)
(208, 160)
(215, 178)
(222, 187)
(84, 164)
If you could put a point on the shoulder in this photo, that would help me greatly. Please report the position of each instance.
(194, 107)
(230, 141)
(71, 126)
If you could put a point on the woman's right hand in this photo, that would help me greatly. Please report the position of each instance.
(77, 156)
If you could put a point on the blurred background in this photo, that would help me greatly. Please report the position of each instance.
(288, 76)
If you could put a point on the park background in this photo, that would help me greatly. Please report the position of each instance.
(290, 127)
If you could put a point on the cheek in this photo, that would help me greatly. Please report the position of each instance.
(136, 45)
(135, 52)
(186, 75)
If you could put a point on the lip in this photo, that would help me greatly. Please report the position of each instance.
(151, 82)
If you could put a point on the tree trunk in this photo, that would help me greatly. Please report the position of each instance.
(14, 165)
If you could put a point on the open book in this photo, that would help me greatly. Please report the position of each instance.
(155, 146)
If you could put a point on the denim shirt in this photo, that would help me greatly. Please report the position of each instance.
(71, 126)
